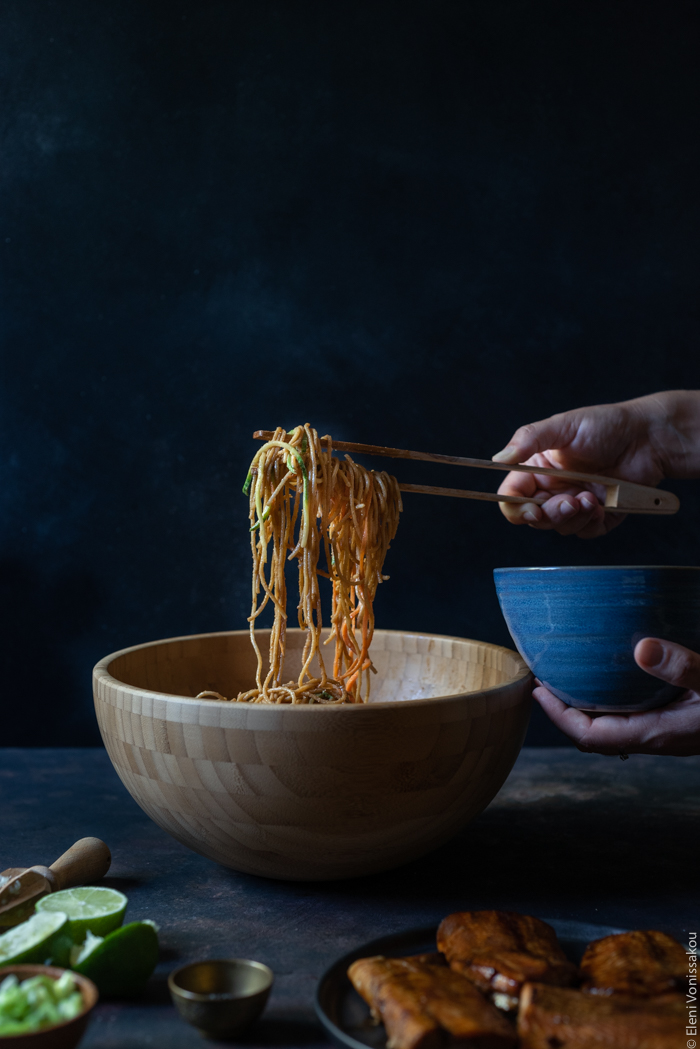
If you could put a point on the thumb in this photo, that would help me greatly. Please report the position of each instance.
(668, 661)
(555, 432)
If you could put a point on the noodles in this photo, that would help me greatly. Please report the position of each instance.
(302, 500)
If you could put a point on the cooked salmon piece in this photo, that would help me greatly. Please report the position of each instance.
(640, 963)
(426, 1006)
(563, 1018)
(500, 950)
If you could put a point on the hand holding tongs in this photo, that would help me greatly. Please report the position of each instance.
(621, 496)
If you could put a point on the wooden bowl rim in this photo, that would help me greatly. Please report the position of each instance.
(101, 673)
(88, 990)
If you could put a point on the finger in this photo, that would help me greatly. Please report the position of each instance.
(555, 432)
(518, 483)
(572, 722)
(570, 514)
(521, 513)
(523, 485)
(538, 487)
(610, 734)
(669, 662)
(673, 729)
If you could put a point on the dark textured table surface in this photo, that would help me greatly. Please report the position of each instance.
(571, 837)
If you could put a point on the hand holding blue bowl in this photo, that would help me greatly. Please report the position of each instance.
(613, 650)
(673, 729)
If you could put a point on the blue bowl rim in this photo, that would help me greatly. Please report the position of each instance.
(601, 568)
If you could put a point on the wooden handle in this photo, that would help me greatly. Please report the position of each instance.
(462, 493)
(85, 862)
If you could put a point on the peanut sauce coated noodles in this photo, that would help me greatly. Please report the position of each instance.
(303, 501)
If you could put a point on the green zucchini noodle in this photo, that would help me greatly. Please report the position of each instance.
(302, 499)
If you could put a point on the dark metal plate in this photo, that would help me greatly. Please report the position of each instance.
(346, 1017)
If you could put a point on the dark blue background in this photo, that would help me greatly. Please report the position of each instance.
(411, 223)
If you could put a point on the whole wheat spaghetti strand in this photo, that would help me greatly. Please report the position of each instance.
(303, 499)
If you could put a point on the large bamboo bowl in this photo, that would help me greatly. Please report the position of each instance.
(309, 792)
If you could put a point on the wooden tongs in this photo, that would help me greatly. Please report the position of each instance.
(622, 496)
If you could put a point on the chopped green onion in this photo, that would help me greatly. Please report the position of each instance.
(305, 498)
(37, 1003)
(266, 514)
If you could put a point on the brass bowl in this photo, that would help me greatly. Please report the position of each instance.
(65, 1035)
(223, 996)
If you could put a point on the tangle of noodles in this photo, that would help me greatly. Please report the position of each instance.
(302, 498)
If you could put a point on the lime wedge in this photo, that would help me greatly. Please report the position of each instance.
(121, 963)
(34, 941)
(89, 909)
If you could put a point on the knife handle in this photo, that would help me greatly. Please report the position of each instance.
(84, 863)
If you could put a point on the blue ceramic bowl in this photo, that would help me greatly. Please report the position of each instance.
(576, 628)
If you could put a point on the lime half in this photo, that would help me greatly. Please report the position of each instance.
(89, 909)
(121, 963)
(36, 940)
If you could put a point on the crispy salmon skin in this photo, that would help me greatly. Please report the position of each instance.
(425, 1006)
(640, 963)
(500, 950)
(562, 1018)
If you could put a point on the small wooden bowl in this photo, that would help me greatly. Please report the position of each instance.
(221, 997)
(60, 1036)
(310, 792)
